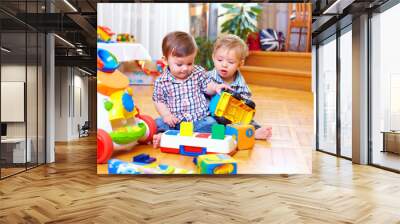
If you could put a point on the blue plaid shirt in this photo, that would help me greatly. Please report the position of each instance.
(239, 85)
(185, 99)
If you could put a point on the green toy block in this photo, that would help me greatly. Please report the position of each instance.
(218, 131)
(186, 128)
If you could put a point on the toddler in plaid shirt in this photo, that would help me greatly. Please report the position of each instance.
(228, 55)
(179, 93)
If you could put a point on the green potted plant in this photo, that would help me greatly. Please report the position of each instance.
(204, 54)
(242, 19)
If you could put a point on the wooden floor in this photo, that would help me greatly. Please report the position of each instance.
(289, 112)
(70, 191)
(387, 159)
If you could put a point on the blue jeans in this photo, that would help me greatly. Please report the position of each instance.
(203, 125)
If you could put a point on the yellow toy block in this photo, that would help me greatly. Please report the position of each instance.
(186, 128)
(244, 134)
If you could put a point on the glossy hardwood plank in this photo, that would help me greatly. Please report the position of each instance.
(70, 191)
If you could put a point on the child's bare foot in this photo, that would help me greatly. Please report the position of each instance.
(156, 140)
(263, 133)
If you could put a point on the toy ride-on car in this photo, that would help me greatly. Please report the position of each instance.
(229, 107)
(120, 125)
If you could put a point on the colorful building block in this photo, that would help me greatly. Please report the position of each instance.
(141, 157)
(116, 166)
(218, 131)
(244, 135)
(104, 34)
(144, 158)
(216, 164)
(186, 128)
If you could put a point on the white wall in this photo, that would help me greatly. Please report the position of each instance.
(12, 73)
(61, 103)
(33, 126)
(71, 94)
(80, 110)
(148, 22)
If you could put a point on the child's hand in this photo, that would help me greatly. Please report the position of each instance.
(171, 120)
(220, 87)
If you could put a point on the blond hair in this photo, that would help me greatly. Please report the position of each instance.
(233, 42)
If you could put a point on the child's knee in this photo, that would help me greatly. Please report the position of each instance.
(209, 120)
(161, 125)
(159, 122)
(204, 125)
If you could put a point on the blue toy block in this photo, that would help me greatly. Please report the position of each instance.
(195, 160)
(172, 132)
(150, 160)
(229, 130)
(141, 158)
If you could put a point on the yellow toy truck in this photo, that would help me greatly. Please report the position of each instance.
(230, 108)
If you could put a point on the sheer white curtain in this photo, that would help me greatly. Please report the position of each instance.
(149, 22)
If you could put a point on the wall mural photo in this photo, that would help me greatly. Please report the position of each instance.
(204, 88)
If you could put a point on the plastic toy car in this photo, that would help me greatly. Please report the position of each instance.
(120, 126)
(229, 107)
(104, 34)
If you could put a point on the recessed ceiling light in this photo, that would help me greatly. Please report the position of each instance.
(337, 7)
(70, 5)
(64, 40)
(5, 50)
(84, 71)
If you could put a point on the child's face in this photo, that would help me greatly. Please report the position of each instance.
(227, 62)
(181, 67)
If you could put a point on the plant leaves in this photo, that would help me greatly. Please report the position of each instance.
(242, 20)
(256, 9)
(228, 6)
(252, 15)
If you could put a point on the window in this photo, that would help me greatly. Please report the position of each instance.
(346, 93)
(327, 96)
(22, 73)
(385, 89)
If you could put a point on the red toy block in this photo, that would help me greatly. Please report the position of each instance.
(203, 135)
